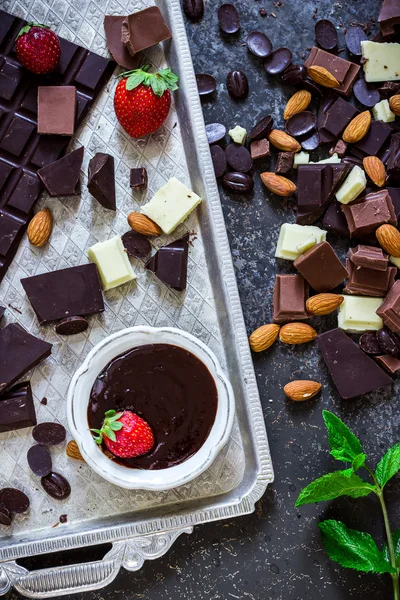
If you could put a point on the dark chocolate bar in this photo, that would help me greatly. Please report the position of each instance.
(16, 408)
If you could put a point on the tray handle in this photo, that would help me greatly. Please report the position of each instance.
(60, 581)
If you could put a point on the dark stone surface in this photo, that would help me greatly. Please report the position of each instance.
(275, 553)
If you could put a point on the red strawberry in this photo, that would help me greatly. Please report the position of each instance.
(125, 434)
(38, 48)
(142, 100)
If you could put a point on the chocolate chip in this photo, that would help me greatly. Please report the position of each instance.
(215, 132)
(239, 158)
(278, 61)
(49, 434)
(194, 9)
(238, 182)
(63, 518)
(262, 129)
(301, 123)
(353, 38)
(14, 500)
(237, 84)
(259, 44)
(44, 401)
(311, 142)
(389, 342)
(5, 516)
(56, 486)
(72, 325)
(326, 34)
(366, 93)
(228, 18)
(39, 460)
(219, 160)
(294, 74)
(206, 84)
(369, 343)
(136, 244)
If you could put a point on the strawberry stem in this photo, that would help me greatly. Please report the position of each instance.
(111, 424)
(159, 82)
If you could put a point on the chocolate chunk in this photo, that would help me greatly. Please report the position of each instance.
(101, 180)
(389, 310)
(262, 129)
(393, 165)
(62, 177)
(65, 293)
(5, 516)
(294, 75)
(366, 93)
(289, 302)
(321, 267)
(138, 177)
(345, 71)
(56, 486)
(72, 326)
(63, 518)
(278, 61)
(368, 342)
(373, 141)
(394, 194)
(228, 18)
(389, 363)
(17, 409)
(353, 38)
(260, 149)
(353, 372)
(169, 264)
(39, 460)
(301, 123)
(56, 109)
(366, 214)
(49, 434)
(389, 89)
(311, 141)
(339, 148)
(2, 311)
(215, 132)
(368, 282)
(284, 162)
(144, 29)
(368, 257)
(326, 103)
(193, 9)
(136, 244)
(206, 84)
(334, 219)
(326, 34)
(259, 44)
(14, 500)
(237, 84)
(353, 161)
(241, 183)
(219, 160)
(19, 352)
(116, 47)
(389, 16)
(239, 158)
(337, 116)
(389, 342)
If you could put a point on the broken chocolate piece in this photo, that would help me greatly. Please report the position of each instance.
(369, 257)
(394, 194)
(389, 363)
(366, 214)
(321, 267)
(56, 109)
(353, 372)
(14, 500)
(363, 281)
(65, 293)
(169, 264)
(389, 16)
(118, 50)
(260, 149)
(101, 180)
(336, 117)
(373, 142)
(72, 326)
(284, 162)
(138, 177)
(289, 302)
(339, 148)
(17, 410)
(334, 219)
(62, 177)
(49, 434)
(345, 71)
(393, 165)
(136, 244)
(39, 460)
(144, 29)
(389, 310)
(19, 352)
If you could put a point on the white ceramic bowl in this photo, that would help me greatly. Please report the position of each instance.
(78, 400)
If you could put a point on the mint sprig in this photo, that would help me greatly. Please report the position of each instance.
(111, 424)
(348, 547)
(159, 82)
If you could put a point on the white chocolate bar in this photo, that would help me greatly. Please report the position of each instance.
(382, 61)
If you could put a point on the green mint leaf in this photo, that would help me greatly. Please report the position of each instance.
(345, 446)
(116, 426)
(353, 549)
(108, 432)
(334, 485)
(396, 543)
(358, 462)
(389, 465)
(135, 80)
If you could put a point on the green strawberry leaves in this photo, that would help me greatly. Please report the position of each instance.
(345, 446)
(353, 549)
(334, 485)
(159, 82)
(28, 26)
(110, 425)
(389, 465)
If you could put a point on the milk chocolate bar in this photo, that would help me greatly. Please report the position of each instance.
(117, 48)
(144, 29)
(369, 257)
(345, 71)
(363, 281)
(17, 410)
(321, 267)
(365, 215)
(290, 295)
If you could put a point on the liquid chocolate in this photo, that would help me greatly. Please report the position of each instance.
(168, 387)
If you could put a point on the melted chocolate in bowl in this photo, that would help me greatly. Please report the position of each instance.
(168, 387)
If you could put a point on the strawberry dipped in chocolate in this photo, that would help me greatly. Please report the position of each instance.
(38, 48)
(125, 434)
(142, 100)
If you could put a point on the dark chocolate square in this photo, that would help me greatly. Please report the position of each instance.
(26, 193)
(9, 229)
(138, 177)
(10, 78)
(372, 143)
(17, 136)
(17, 409)
(338, 116)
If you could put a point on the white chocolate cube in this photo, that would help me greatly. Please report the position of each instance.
(352, 186)
(335, 159)
(358, 313)
(382, 61)
(395, 261)
(238, 134)
(301, 158)
(295, 239)
(112, 262)
(171, 205)
(383, 113)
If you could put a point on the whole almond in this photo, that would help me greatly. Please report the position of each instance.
(143, 224)
(297, 103)
(277, 184)
(297, 333)
(375, 169)
(394, 104)
(302, 389)
(73, 451)
(389, 238)
(323, 304)
(39, 229)
(263, 337)
(322, 76)
(283, 141)
(357, 128)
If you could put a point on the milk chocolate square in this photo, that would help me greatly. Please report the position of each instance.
(144, 29)
(368, 282)
(369, 257)
(290, 295)
(321, 268)
(365, 215)
(345, 71)
(389, 310)
(56, 109)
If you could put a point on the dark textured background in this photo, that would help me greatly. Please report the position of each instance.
(275, 553)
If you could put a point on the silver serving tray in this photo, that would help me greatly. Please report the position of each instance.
(140, 526)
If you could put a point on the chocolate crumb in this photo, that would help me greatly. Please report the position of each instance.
(263, 12)
(15, 308)
(315, 13)
(43, 401)
(63, 518)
